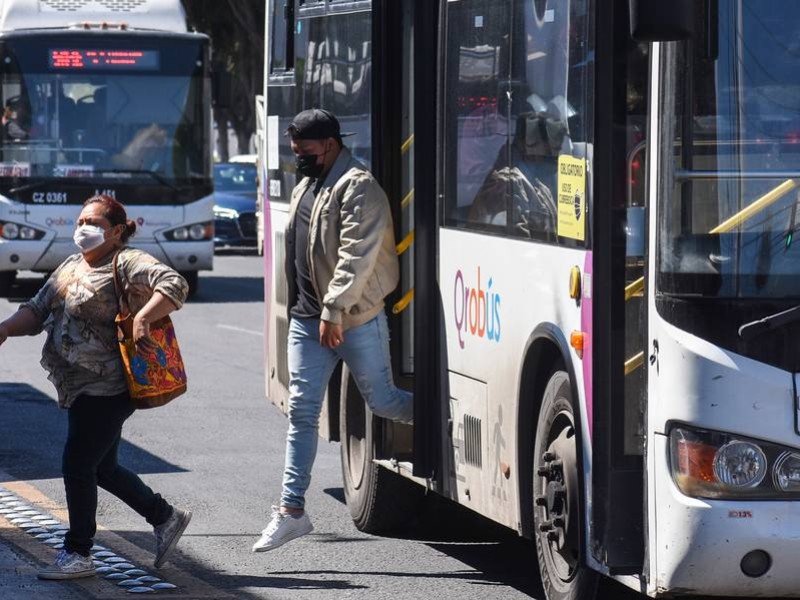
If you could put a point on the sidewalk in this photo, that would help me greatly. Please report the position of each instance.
(18, 579)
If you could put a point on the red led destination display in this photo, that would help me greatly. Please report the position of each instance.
(77, 59)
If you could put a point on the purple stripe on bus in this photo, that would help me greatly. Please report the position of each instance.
(586, 327)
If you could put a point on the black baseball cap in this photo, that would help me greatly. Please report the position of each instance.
(315, 124)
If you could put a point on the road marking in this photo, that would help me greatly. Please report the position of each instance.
(189, 586)
(241, 330)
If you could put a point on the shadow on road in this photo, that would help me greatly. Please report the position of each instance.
(33, 433)
(25, 288)
(497, 554)
(238, 584)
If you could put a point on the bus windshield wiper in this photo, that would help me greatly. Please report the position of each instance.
(158, 177)
(754, 328)
(43, 183)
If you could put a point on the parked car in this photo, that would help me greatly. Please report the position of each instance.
(235, 190)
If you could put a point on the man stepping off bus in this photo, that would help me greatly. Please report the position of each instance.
(340, 265)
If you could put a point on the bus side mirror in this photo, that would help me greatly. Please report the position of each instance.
(661, 21)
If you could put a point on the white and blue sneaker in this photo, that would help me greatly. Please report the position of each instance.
(69, 565)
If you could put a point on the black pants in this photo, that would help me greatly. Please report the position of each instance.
(90, 459)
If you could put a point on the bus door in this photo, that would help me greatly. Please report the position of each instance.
(320, 56)
(619, 329)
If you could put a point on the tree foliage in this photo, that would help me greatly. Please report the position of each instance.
(236, 29)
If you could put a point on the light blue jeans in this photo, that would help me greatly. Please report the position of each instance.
(365, 350)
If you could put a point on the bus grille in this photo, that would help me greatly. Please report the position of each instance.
(472, 441)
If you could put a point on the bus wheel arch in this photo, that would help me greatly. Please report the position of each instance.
(379, 500)
(546, 364)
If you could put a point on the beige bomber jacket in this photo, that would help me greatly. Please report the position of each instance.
(352, 257)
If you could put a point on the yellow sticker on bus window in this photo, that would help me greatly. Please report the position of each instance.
(571, 197)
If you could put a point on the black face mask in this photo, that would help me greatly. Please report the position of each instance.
(307, 165)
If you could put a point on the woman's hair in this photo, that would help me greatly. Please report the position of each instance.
(115, 213)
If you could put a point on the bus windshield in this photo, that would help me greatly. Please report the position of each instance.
(80, 111)
(729, 224)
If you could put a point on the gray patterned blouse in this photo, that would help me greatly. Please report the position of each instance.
(78, 309)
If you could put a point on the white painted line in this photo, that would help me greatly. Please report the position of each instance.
(241, 330)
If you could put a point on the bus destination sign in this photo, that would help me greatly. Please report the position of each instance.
(78, 59)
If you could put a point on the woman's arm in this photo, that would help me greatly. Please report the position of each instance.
(158, 307)
(22, 322)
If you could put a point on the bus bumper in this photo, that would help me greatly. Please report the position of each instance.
(48, 255)
(700, 544)
(18, 256)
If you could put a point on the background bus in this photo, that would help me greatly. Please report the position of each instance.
(112, 100)
(585, 221)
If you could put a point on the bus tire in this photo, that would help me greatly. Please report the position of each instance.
(7, 279)
(557, 512)
(193, 279)
(379, 500)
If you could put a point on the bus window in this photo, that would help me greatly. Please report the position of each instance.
(549, 69)
(282, 20)
(477, 124)
(736, 141)
(337, 74)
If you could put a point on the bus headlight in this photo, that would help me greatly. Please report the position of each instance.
(194, 233)
(787, 472)
(711, 464)
(197, 231)
(181, 234)
(740, 464)
(10, 231)
(13, 231)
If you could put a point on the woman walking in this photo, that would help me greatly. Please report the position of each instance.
(77, 307)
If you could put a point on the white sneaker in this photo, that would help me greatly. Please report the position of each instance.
(282, 528)
(168, 534)
(69, 565)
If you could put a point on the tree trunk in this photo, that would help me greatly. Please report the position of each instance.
(221, 117)
(243, 140)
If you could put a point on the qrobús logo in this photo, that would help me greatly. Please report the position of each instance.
(476, 310)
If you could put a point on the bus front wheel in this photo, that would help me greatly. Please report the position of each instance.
(378, 499)
(193, 279)
(557, 511)
(7, 279)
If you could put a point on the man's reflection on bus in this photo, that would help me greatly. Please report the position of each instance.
(517, 195)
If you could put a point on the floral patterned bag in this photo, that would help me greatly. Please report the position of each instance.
(155, 376)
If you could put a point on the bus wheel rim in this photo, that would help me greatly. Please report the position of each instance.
(356, 441)
(559, 515)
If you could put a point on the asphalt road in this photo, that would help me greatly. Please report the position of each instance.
(219, 452)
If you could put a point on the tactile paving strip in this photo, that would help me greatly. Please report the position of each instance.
(116, 569)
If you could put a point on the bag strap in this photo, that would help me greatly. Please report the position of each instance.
(122, 306)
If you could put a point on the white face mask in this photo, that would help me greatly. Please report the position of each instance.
(89, 237)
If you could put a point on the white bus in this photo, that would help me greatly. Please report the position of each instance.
(107, 97)
(596, 203)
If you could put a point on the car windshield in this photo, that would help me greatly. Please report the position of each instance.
(235, 177)
(730, 223)
(134, 113)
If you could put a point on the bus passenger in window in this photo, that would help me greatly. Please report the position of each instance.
(340, 265)
(519, 198)
(17, 119)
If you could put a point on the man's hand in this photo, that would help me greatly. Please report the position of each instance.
(330, 335)
(3, 334)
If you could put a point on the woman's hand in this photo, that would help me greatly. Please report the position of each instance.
(3, 333)
(331, 335)
(141, 333)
